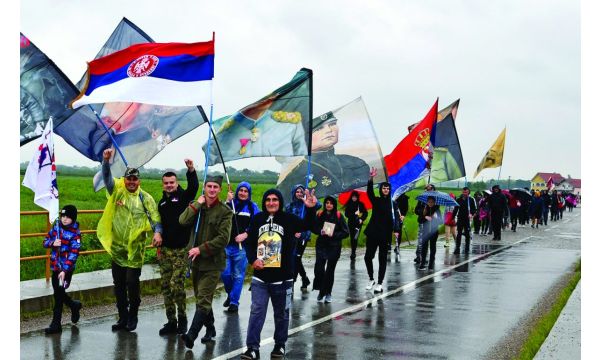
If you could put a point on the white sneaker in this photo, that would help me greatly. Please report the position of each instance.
(370, 284)
(327, 298)
(378, 288)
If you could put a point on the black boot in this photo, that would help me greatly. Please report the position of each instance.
(457, 247)
(211, 332)
(75, 307)
(305, 283)
(123, 316)
(169, 328)
(132, 319)
(55, 326)
(195, 327)
(182, 324)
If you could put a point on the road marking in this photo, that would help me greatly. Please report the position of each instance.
(357, 307)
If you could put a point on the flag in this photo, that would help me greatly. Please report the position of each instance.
(343, 149)
(140, 130)
(410, 160)
(447, 162)
(173, 74)
(493, 157)
(40, 175)
(550, 184)
(45, 92)
(276, 125)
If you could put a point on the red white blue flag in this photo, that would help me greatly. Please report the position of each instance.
(173, 74)
(40, 175)
(410, 160)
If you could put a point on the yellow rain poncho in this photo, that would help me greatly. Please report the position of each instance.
(124, 226)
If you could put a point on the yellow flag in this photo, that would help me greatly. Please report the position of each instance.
(493, 158)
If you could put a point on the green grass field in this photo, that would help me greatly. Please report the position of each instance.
(79, 192)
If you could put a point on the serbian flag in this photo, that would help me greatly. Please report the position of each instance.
(411, 158)
(550, 184)
(172, 74)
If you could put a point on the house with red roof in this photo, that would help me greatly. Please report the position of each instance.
(570, 185)
(540, 180)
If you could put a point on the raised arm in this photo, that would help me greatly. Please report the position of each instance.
(192, 180)
(109, 182)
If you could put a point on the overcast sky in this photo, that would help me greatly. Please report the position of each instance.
(512, 63)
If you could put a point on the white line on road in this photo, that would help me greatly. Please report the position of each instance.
(357, 307)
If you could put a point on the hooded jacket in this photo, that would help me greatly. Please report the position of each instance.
(272, 237)
(170, 208)
(64, 257)
(296, 207)
(244, 212)
(382, 222)
(340, 230)
(355, 206)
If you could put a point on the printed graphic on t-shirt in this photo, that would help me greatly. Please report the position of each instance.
(269, 245)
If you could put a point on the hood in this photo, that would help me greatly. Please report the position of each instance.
(270, 192)
(387, 184)
(293, 193)
(354, 193)
(333, 200)
(247, 186)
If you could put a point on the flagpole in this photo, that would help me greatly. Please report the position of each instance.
(110, 135)
(310, 119)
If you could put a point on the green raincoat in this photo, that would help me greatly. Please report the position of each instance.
(124, 226)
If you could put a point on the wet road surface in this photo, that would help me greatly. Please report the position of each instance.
(459, 310)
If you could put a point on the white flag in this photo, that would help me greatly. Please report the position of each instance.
(41, 174)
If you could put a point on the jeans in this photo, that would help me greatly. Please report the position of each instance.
(281, 298)
(354, 233)
(327, 258)
(60, 296)
(299, 266)
(234, 273)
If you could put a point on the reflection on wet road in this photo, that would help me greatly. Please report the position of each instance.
(460, 310)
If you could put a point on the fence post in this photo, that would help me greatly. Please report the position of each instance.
(47, 257)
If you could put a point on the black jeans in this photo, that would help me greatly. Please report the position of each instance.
(497, 225)
(354, 233)
(430, 239)
(327, 258)
(60, 295)
(372, 245)
(127, 287)
(463, 226)
(299, 266)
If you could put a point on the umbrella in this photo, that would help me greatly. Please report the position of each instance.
(489, 192)
(362, 196)
(441, 198)
(521, 193)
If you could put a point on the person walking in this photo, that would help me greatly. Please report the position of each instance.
(235, 268)
(484, 214)
(270, 250)
(536, 209)
(449, 223)
(356, 213)
(463, 213)
(332, 229)
(497, 202)
(476, 221)
(296, 207)
(402, 204)
(207, 254)
(384, 222)
(514, 205)
(418, 210)
(547, 203)
(429, 219)
(130, 218)
(175, 237)
(65, 240)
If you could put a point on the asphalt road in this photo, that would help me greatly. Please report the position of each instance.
(460, 310)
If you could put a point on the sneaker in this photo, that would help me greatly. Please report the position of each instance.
(320, 298)
(447, 245)
(422, 267)
(328, 298)
(168, 328)
(232, 309)
(370, 284)
(227, 301)
(278, 352)
(378, 288)
(250, 354)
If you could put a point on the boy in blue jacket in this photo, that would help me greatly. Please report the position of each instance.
(65, 241)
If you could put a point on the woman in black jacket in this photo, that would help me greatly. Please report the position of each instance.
(429, 220)
(356, 212)
(331, 227)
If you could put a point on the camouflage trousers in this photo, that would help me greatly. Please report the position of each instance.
(173, 267)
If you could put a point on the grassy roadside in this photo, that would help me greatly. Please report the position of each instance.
(543, 326)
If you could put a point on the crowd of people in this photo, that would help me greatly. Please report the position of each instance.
(217, 241)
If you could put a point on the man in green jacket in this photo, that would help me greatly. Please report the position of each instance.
(207, 252)
(129, 220)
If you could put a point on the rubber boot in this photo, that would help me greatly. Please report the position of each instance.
(132, 319)
(123, 316)
(211, 332)
(195, 327)
(75, 307)
(55, 326)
